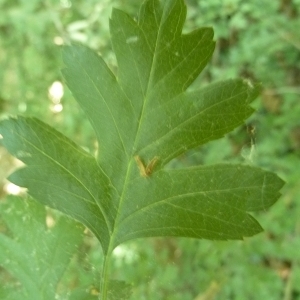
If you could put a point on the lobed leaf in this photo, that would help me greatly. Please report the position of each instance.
(143, 117)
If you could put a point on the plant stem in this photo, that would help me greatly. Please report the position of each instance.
(104, 278)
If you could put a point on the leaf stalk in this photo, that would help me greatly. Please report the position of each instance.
(104, 281)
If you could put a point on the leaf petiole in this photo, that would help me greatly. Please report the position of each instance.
(104, 281)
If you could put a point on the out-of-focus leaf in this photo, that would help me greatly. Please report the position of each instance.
(33, 253)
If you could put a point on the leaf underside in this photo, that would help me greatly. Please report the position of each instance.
(143, 117)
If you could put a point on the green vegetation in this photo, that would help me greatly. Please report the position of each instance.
(261, 46)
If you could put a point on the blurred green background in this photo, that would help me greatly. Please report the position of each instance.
(256, 39)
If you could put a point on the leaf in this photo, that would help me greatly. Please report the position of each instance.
(143, 117)
(119, 290)
(34, 254)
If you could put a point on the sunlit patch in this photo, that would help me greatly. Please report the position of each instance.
(58, 40)
(65, 3)
(12, 189)
(1, 136)
(50, 222)
(22, 107)
(125, 254)
(56, 108)
(56, 92)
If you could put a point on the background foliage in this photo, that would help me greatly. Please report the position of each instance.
(255, 39)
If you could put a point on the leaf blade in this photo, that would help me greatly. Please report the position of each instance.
(95, 88)
(55, 176)
(202, 202)
(195, 118)
(143, 117)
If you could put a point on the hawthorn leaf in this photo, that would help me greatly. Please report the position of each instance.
(144, 116)
(34, 254)
(119, 290)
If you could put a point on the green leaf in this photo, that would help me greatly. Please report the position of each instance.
(119, 290)
(34, 254)
(143, 117)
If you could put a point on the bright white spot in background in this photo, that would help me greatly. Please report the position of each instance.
(132, 39)
(56, 108)
(12, 189)
(1, 136)
(65, 3)
(22, 107)
(125, 254)
(56, 91)
(50, 222)
(58, 40)
(77, 26)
